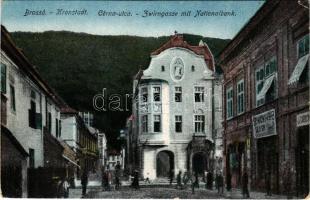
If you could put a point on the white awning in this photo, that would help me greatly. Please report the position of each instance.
(299, 68)
(265, 88)
(71, 161)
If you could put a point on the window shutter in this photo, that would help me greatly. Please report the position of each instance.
(38, 122)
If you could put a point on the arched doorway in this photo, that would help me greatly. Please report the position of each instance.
(164, 163)
(199, 163)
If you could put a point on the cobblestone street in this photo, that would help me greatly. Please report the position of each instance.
(166, 193)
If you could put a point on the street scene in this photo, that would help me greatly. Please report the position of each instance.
(155, 100)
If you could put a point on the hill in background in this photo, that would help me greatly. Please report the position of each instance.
(79, 65)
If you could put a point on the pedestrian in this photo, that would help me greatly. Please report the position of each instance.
(228, 181)
(245, 190)
(192, 184)
(117, 182)
(60, 191)
(84, 182)
(185, 179)
(66, 186)
(179, 180)
(220, 183)
(196, 180)
(210, 180)
(268, 182)
(135, 182)
(171, 176)
(147, 179)
(217, 182)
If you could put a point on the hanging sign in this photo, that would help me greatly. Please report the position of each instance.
(303, 119)
(264, 124)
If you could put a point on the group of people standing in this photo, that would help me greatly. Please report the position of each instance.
(183, 180)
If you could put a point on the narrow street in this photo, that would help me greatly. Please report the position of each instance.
(165, 192)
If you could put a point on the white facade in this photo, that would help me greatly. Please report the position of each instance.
(174, 70)
(26, 91)
(114, 159)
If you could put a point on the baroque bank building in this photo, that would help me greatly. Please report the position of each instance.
(177, 111)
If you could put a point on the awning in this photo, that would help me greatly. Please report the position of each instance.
(299, 68)
(266, 87)
(71, 161)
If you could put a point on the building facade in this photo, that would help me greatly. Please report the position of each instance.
(266, 99)
(173, 118)
(30, 111)
(83, 141)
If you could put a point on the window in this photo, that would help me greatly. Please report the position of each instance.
(265, 77)
(240, 96)
(49, 122)
(144, 94)
(199, 94)
(157, 124)
(59, 127)
(303, 46)
(199, 123)
(259, 83)
(31, 158)
(156, 93)
(229, 102)
(57, 131)
(193, 68)
(144, 124)
(162, 68)
(178, 94)
(3, 78)
(12, 94)
(32, 114)
(178, 123)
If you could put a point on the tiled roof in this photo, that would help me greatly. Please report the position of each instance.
(178, 41)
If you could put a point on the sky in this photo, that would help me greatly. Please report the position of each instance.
(226, 27)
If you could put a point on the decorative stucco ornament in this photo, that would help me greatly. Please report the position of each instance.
(177, 69)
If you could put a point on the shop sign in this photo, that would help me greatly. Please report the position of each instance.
(303, 119)
(264, 124)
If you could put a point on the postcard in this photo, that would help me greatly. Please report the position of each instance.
(155, 99)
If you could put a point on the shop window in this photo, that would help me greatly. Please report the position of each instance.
(229, 103)
(178, 123)
(178, 94)
(240, 97)
(199, 121)
(199, 94)
(157, 123)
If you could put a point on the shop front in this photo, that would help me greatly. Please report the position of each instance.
(302, 154)
(267, 155)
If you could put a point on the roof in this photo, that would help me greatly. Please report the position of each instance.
(178, 41)
(245, 31)
(68, 110)
(18, 57)
(14, 141)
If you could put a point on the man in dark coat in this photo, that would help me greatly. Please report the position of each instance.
(135, 182)
(179, 180)
(171, 175)
(228, 181)
(268, 182)
(84, 182)
(245, 190)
